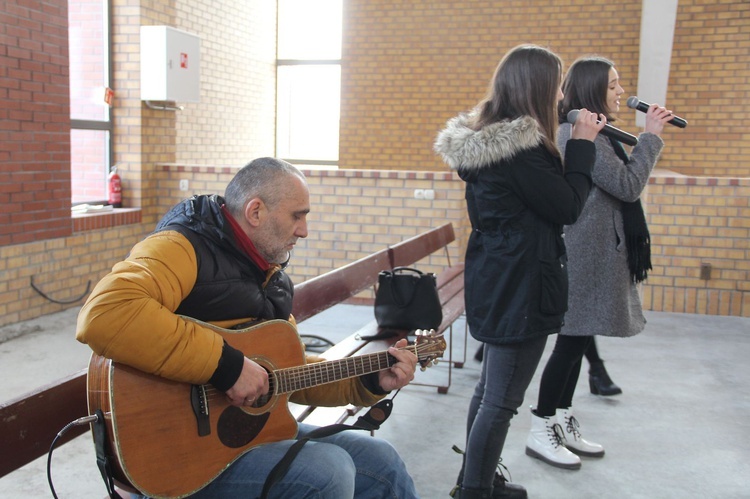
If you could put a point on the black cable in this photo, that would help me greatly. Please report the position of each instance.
(78, 422)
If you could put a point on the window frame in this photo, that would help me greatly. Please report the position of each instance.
(282, 62)
(101, 125)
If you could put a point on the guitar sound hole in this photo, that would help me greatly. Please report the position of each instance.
(236, 428)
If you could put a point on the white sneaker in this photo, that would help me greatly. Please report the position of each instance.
(573, 439)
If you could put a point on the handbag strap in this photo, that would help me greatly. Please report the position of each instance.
(407, 269)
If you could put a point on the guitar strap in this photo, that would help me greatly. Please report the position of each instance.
(371, 421)
(99, 429)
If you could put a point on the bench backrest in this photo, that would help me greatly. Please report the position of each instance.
(421, 246)
(336, 286)
(29, 424)
(326, 290)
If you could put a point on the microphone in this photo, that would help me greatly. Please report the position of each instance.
(639, 105)
(608, 130)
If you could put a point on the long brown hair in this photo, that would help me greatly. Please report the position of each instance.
(585, 86)
(525, 83)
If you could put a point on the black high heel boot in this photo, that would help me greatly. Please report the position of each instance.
(599, 381)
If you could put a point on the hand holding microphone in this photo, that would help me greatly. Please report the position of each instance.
(607, 130)
(639, 105)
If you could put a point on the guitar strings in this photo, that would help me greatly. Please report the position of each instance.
(299, 377)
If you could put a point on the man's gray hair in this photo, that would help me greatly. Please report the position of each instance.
(260, 178)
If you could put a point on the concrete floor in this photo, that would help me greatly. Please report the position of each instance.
(680, 429)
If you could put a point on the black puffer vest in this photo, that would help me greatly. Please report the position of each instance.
(229, 284)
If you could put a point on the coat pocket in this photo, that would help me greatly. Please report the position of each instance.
(554, 284)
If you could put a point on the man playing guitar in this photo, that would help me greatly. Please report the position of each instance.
(214, 264)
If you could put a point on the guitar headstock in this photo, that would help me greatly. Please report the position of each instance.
(428, 346)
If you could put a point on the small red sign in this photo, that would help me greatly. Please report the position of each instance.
(183, 60)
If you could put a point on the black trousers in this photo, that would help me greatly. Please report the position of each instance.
(560, 376)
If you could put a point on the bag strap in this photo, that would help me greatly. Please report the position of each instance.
(407, 269)
(372, 420)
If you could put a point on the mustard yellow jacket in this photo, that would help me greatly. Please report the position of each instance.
(130, 318)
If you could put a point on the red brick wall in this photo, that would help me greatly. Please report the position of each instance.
(34, 121)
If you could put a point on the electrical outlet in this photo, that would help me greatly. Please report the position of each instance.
(418, 193)
(184, 184)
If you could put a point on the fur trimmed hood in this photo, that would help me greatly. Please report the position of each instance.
(463, 148)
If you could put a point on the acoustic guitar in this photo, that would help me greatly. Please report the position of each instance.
(170, 439)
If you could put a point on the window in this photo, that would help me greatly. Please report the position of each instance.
(308, 81)
(91, 125)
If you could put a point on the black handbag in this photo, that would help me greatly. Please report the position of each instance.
(407, 299)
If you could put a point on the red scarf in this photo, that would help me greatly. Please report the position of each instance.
(245, 243)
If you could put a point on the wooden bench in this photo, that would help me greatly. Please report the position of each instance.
(328, 289)
(29, 424)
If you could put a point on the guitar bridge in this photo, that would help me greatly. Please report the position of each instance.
(199, 403)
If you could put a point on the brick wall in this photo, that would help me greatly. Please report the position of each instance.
(410, 66)
(34, 122)
(695, 222)
(235, 119)
(406, 69)
(353, 212)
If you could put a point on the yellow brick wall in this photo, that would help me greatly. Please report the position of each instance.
(354, 213)
(235, 119)
(694, 222)
(410, 66)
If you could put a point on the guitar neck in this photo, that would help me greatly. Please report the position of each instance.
(320, 373)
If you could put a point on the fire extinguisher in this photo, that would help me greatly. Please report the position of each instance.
(114, 188)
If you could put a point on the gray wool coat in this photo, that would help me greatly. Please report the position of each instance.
(602, 298)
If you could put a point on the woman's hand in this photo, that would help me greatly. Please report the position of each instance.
(587, 125)
(656, 117)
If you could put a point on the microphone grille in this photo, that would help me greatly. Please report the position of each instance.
(633, 102)
(572, 116)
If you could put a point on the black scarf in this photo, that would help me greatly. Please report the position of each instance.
(637, 237)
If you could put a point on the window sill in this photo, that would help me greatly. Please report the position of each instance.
(93, 221)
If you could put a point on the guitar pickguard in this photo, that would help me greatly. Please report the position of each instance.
(236, 428)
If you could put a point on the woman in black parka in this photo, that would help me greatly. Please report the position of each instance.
(518, 195)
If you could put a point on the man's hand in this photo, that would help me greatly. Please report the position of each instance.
(400, 373)
(252, 383)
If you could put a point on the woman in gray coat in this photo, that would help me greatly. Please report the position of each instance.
(608, 256)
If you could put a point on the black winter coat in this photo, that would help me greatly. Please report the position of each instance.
(518, 199)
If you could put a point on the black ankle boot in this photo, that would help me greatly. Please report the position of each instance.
(600, 382)
(462, 493)
(503, 489)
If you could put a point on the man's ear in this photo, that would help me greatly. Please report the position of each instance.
(254, 211)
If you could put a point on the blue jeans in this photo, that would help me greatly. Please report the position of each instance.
(345, 465)
(506, 373)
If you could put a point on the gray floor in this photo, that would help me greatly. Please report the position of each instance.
(679, 430)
